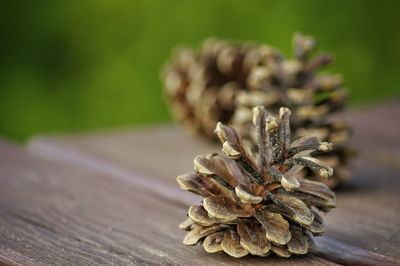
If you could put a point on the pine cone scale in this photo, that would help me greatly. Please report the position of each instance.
(198, 232)
(298, 243)
(231, 244)
(225, 208)
(252, 237)
(212, 243)
(275, 226)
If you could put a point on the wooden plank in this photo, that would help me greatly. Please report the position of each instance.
(367, 214)
(55, 213)
(163, 151)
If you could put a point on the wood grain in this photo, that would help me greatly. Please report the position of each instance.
(60, 214)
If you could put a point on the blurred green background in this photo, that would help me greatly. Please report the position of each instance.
(69, 66)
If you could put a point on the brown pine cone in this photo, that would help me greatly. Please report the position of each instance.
(225, 80)
(201, 87)
(255, 203)
(275, 81)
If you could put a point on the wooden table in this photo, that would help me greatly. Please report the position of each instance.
(111, 198)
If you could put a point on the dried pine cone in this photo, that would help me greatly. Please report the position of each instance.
(255, 203)
(225, 80)
(201, 87)
(275, 81)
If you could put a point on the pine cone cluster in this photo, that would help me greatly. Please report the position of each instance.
(224, 80)
(255, 202)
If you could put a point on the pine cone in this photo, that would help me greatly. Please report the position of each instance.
(275, 81)
(255, 203)
(201, 87)
(225, 80)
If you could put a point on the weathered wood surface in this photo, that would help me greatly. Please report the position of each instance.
(111, 198)
(60, 214)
